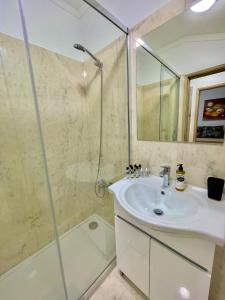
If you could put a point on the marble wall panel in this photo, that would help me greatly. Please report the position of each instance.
(70, 115)
(200, 160)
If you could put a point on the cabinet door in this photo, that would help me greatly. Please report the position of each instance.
(132, 250)
(174, 278)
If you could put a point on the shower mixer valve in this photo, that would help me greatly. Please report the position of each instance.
(102, 183)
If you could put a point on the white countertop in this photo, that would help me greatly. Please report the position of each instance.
(209, 221)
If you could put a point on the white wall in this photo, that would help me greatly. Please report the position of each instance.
(9, 18)
(97, 32)
(56, 29)
(148, 68)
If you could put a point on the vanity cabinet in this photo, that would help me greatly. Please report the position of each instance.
(132, 248)
(156, 269)
(172, 277)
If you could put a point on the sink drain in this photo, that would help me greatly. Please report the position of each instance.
(158, 211)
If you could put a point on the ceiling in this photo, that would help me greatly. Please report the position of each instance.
(57, 24)
(77, 4)
(191, 42)
(131, 12)
(75, 7)
(188, 24)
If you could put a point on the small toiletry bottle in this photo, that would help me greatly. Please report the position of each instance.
(131, 171)
(180, 183)
(135, 170)
(127, 172)
(139, 170)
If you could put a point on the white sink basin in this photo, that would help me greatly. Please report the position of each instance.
(144, 198)
(190, 210)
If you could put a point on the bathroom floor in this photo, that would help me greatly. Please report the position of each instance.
(116, 287)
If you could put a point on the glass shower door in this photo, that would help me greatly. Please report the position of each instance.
(84, 117)
(29, 261)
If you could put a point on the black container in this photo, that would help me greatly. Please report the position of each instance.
(215, 188)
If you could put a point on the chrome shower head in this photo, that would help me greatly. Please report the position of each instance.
(79, 47)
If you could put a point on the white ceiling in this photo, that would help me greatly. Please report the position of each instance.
(75, 7)
(191, 42)
(57, 24)
(131, 12)
(77, 4)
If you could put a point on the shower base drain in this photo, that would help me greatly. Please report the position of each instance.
(158, 211)
(93, 225)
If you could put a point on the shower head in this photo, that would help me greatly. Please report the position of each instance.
(79, 47)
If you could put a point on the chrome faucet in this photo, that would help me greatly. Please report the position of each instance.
(165, 174)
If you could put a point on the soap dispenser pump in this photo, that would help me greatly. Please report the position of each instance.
(180, 181)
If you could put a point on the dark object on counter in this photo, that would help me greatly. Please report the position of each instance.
(215, 188)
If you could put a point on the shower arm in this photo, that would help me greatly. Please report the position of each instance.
(98, 63)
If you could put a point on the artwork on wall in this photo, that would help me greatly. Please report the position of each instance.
(210, 121)
(214, 109)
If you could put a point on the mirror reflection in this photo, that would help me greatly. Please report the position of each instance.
(157, 99)
(181, 79)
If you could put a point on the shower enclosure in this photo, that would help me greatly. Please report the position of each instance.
(63, 138)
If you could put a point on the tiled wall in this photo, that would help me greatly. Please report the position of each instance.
(70, 115)
(200, 160)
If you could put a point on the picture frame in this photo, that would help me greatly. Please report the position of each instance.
(210, 115)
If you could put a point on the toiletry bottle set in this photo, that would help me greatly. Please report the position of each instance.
(136, 171)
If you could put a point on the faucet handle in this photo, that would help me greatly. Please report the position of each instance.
(164, 170)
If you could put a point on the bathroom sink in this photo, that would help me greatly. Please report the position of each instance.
(146, 199)
(166, 209)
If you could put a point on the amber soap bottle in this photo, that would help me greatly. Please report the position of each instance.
(180, 180)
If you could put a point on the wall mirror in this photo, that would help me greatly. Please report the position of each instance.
(181, 79)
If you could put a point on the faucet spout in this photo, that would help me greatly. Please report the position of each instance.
(165, 182)
(165, 174)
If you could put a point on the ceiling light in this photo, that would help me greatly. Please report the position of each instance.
(202, 5)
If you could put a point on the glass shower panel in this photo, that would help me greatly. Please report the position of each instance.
(169, 105)
(85, 125)
(29, 264)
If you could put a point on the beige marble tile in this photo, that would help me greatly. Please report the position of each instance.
(116, 287)
(200, 160)
(70, 114)
(171, 9)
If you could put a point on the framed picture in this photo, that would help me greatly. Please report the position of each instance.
(210, 114)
